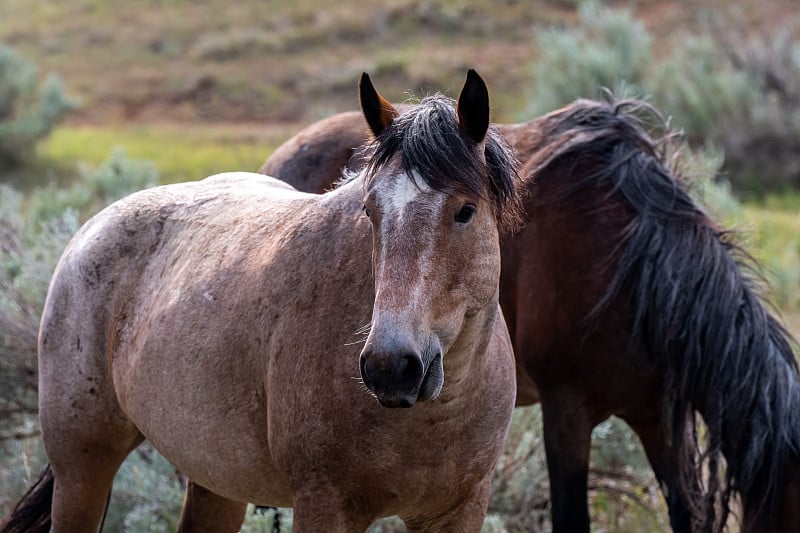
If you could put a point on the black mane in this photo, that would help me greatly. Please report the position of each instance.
(697, 316)
(431, 142)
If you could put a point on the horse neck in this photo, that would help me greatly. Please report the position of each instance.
(346, 195)
(525, 137)
(470, 355)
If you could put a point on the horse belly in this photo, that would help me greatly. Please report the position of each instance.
(212, 426)
(240, 470)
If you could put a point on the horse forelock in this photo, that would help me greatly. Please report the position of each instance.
(696, 311)
(431, 144)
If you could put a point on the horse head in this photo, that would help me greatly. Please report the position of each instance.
(439, 183)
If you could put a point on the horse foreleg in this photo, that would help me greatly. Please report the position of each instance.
(82, 483)
(205, 511)
(467, 516)
(666, 466)
(567, 441)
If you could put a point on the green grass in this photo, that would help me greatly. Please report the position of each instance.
(180, 153)
(788, 200)
(772, 235)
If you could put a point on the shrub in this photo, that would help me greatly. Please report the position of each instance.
(236, 44)
(147, 494)
(33, 233)
(28, 109)
(29, 253)
(701, 92)
(116, 177)
(727, 88)
(764, 149)
(519, 483)
(609, 49)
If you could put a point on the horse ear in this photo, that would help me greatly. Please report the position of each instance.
(473, 107)
(377, 110)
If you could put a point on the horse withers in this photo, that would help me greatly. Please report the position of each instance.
(222, 320)
(624, 297)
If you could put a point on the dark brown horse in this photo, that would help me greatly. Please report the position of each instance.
(624, 297)
(220, 320)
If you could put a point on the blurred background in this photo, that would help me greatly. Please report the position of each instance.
(102, 98)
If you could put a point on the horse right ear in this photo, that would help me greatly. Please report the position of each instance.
(377, 110)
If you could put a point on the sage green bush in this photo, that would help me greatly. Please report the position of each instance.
(34, 230)
(724, 88)
(29, 107)
(608, 50)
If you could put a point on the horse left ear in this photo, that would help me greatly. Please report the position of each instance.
(473, 107)
(377, 110)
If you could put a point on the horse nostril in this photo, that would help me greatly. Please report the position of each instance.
(400, 373)
(394, 376)
(362, 362)
(412, 371)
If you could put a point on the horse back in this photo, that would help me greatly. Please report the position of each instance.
(313, 159)
(109, 255)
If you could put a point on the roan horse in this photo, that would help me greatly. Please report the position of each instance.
(624, 297)
(220, 320)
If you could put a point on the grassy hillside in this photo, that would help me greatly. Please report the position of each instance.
(212, 61)
(179, 153)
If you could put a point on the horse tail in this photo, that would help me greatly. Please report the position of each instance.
(32, 512)
(698, 321)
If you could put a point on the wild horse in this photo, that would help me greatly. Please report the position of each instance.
(222, 320)
(624, 297)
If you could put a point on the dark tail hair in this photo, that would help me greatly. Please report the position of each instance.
(697, 316)
(32, 512)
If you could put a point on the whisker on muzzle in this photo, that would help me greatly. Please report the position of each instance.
(362, 331)
(360, 341)
(363, 386)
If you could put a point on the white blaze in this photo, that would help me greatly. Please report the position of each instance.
(395, 199)
(402, 191)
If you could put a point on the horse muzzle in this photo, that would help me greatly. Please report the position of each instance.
(400, 377)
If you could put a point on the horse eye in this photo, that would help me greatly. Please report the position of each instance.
(465, 214)
(366, 211)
